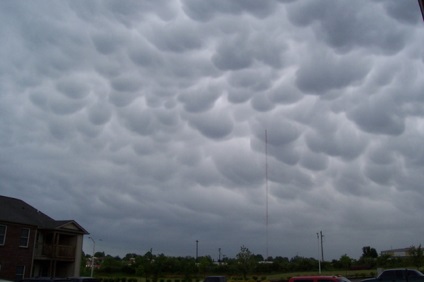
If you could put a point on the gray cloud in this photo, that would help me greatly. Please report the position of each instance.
(215, 125)
(229, 58)
(150, 117)
(379, 115)
(336, 21)
(200, 98)
(324, 72)
(207, 11)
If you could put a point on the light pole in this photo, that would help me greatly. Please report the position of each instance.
(322, 248)
(319, 260)
(92, 257)
(197, 249)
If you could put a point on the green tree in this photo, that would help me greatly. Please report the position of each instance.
(205, 264)
(387, 261)
(130, 256)
(345, 262)
(369, 257)
(99, 254)
(111, 264)
(187, 267)
(83, 265)
(245, 261)
(368, 252)
(258, 258)
(156, 267)
(299, 263)
(281, 264)
(416, 256)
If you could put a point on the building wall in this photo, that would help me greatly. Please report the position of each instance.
(12, 255)
(405, 252)
(78, 255)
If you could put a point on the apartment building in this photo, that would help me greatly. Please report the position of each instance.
(33, 244)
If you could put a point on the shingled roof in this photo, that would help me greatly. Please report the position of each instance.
(17, 211)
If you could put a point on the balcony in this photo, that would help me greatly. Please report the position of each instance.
(60, 252)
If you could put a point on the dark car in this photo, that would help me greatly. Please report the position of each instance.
(398, 275)
(76, 279)
(37, 279)
(318, 278)
(215, 279)
(56, 279)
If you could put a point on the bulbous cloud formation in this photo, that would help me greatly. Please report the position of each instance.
(149, 117)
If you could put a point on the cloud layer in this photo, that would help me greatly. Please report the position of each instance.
(145, 122)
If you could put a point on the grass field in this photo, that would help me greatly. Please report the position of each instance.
(350, 274)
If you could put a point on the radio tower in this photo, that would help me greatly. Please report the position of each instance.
(266, 188)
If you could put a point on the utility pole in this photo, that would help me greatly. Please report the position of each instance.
(322, 248)
(197, 249)
(319, 260)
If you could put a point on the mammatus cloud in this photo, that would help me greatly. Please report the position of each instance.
(162, 119)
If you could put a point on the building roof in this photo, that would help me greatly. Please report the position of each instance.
(17, 211)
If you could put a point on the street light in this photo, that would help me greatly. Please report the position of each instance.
(319, 260)
(92, 257)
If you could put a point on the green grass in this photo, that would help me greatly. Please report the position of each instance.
(352, 274)
(358, 274)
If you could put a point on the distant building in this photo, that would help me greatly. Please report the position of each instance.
(33, 244)
(400, 253)
(96, 264)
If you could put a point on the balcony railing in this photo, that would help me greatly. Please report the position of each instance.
(55, 251)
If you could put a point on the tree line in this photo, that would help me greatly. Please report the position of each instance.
(153, 266)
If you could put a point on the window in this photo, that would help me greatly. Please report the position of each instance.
(400, 275)
(2, 234)
(23, 241)
(388, 275)
(412, 273)
(20, 272)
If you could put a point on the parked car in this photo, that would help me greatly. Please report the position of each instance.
(319, 278)
(76, 279)
(37, 279)
(215, 279)
(56, 279)
(398, 275)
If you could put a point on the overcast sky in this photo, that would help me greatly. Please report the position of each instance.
(145, 122)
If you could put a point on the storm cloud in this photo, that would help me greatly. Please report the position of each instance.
(154, 124)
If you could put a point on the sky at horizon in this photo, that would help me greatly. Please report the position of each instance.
(145, 122)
